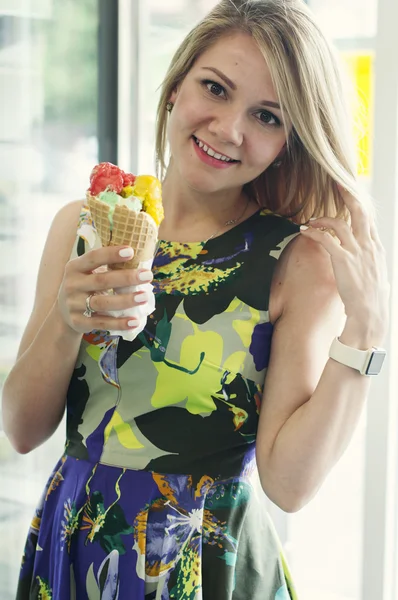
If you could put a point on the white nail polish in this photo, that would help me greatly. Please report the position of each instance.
(142, 297)
(303, 227)
(145, 276)
(132, 323)
(126, 253)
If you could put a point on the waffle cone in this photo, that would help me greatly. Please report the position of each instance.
(100, 213)
(137, 230)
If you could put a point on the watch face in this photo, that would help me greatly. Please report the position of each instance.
(376, 362)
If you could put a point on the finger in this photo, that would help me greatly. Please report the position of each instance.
(375, 234)
(99, 282)
(103, 303)
(359, 215)
(98, 322)
(340, 227)
(106, 255)
(324, 238)
(106, 323)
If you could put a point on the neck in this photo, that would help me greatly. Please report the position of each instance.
(187, 208)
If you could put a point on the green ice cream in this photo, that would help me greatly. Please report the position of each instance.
(133, 203)
(112, 198)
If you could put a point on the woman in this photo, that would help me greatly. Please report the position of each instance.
(152, 498)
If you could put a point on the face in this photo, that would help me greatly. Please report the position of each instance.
(226, 125)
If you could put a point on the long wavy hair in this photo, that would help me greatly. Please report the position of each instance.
(312, 90)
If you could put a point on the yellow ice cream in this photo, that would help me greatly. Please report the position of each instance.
(149, 189)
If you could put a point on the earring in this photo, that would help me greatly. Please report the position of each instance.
(276, 164)
(169, 107)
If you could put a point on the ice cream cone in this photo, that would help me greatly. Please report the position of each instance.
(137, 230)
(100, 213)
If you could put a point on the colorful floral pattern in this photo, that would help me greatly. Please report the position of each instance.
(153, 498)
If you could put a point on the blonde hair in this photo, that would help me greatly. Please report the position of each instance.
(308, 81)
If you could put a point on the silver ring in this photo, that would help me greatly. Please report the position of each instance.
(89, 311)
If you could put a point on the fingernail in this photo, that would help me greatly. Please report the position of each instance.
(126, 253)
(314, 218)
(304, 227)
(142, 297)
(132, 323)
(145, 276)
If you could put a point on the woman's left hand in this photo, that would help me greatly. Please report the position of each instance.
(359, 265)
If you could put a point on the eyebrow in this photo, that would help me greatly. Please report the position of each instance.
(232, 85)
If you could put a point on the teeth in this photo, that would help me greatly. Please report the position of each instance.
(211, 152)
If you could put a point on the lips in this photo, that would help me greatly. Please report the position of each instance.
(216, 152)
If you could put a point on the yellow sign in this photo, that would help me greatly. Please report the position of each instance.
(360, 67)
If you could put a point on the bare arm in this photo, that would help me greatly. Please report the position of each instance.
(34, 393)
(311, 404)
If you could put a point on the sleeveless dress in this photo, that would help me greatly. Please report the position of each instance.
(153, 497)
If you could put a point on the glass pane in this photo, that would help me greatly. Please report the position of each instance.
(166, 24)
(325, 538)
(48, 144)
(342, 19)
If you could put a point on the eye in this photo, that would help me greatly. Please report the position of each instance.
(216, 89)
(269, 119)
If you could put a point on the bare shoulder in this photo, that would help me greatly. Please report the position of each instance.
(56, 254)
(304, 273)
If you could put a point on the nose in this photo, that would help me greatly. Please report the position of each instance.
(228, 127)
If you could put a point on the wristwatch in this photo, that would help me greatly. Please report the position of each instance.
(367, 362)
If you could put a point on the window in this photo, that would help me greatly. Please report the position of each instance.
(48, 145)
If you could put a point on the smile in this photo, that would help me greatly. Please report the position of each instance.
(210, 152)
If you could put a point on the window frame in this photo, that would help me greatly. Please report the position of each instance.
(380, 543)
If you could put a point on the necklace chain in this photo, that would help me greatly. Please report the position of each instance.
(229, 222)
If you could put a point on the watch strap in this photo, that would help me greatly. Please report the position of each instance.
(351, 357)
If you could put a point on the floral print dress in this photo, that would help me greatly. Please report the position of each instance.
(152, 498)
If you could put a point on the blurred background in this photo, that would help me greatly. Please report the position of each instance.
(79, 83)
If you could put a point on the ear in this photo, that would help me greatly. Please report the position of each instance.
(173, 96)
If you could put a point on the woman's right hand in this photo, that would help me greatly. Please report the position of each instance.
(79, 282)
